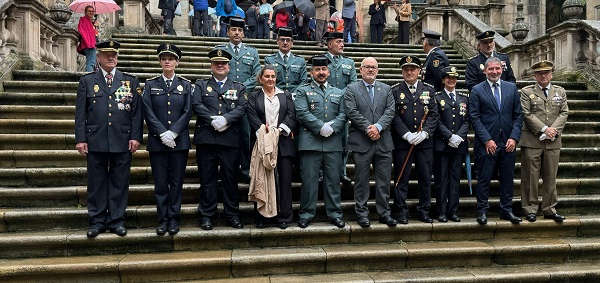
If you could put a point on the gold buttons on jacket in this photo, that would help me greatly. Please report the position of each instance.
(109, 123)
(169, 112)
(109, 114)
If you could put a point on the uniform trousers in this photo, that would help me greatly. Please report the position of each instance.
(423, 160)
(213, 157)
(108, 188)
(504, 162)
(538, 161)
(446, 171)
(382, 162)
(310, 163)
(168, 170)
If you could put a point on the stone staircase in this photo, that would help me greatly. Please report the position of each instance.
(43, 197)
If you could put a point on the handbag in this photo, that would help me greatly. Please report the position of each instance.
(178, 9)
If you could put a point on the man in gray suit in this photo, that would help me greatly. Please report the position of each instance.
(370, 109)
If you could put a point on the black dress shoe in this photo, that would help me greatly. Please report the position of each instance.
(403, 220)
(173, 228)
(283, 225)
(338, 222)
(556, 217)
(162, 228)
(205, 223)
(234, 222)
(442, 218)
(303, 223)
(363, 221)
(531, 217)
(120, 231)
(511, 217)
(388, 220)
(425, 218)
(482, 218)
(454, 218)
(93, 232)
(345, 180)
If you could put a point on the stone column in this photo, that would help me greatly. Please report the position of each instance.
(434, 19)
(27, 27)
(66, 49)
(134, 15)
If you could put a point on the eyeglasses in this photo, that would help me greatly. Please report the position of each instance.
(285, 40)
(370, 67)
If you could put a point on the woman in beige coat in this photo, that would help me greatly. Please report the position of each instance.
(403, 14)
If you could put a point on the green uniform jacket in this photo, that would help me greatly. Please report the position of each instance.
(243, 67)
(290, 76)
(314, 108)
(343, 72)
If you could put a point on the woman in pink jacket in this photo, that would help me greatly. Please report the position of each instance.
(87, 31)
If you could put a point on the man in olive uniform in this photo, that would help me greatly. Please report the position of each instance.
(108, 130)
(320, 110)
(450, 145)
(342, 73)
(475, 66)
(436, 59)
(219, 103)
(545, 113)
(415, 105)
(291, 69)
(243, 67)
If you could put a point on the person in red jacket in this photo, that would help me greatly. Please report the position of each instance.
(87, 31)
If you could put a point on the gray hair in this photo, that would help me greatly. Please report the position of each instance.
(492, 60)
(433, 42)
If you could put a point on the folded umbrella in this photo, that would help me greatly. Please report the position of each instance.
(468, 171)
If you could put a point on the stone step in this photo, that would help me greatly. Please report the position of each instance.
(142, 216)
(192, 238)
(317, 260)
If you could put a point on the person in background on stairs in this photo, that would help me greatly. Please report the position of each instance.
(168, 13)
(274, 108)
(413, 128)
(291, 69)
(320, 110)
(108, 130)
(167, 111)
(252, 20)
(220, 104)
(377, 22)
(201, 22)
(322, 18)
(545, 113)
(265, 14)
(435, 61)
(403, 14)
(497, 118)
(88, 32)
(343, 73)
(349, 17)
(450, 145)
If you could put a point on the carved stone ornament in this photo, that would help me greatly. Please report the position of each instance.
(60, 12)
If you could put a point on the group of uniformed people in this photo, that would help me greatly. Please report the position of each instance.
(410, 122)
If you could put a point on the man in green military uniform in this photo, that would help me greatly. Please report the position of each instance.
(291, 69)
(320, 110)
(343, 73)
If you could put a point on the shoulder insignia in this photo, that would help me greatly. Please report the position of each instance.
(271, 55)
(463, 94)
(87, 74)
(128, 74)
(397, 84)
(154, 78)
(427, 84)
(473, 57)
(184, 79)
(528, 87)
(438, 93)
(220, 46)
(557, 86)
(236, 82)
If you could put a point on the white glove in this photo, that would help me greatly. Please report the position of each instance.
(170, 144)
(456, 140)
(168, 136)
(326, 130)
(421, 136)
(221, 129)
(409, 137)
(452, 145)
(543, 137)
(218, 122)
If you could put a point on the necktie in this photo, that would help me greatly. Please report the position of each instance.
(545, 91)
(285, 59)
(322, 87)
(220, 84)
(497, 94)
(412, 89)
(169, 83)
(109, 79)
(371, 93)
(453, 97)
(236, 49)
(336, 58)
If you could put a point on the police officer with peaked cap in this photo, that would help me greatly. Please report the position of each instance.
(475, 65)
(436, 59)
(291, 69)
(167, 110)
(220, 104)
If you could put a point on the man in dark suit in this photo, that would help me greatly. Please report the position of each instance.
(219, 103)
(370, 109)
(251, 20)
(415, 106)
(377, 22)
(436, 59)
(487, 48)
(496, 116)
(450, 145)
(167, 110)
(320, 110)
(108, 130)
(168, 14)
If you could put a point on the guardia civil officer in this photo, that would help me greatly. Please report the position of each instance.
(413, 98)
(475, 66)
(167, 111)
(108, 130)
(320, 110)
(436, 59)
(450, 145)
(291, 69)
(219, 103)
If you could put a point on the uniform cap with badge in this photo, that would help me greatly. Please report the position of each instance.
(431, 34)
(285, 32)
(486, 35)
(237, 22)
(108, 46)
(168, 48)
(543, 65)
(219, 55)
(450, 71)
(333, 35)
(410, 61)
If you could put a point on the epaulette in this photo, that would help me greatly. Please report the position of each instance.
(89, 73)
(184, 79)
(463, 94)
(128, 74)
(397, 84)
(427, 84)
(271, 55)
(236, 82)
(154, 78)
(557, 86)
(473, 57)
(438, 93)
(220, 46)
(527, 87)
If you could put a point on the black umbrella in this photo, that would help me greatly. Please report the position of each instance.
(283, 5)
(305, 7)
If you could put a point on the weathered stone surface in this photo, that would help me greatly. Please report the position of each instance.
(20, 245)
(315, 234)
(363, 257)
(542, 228)
(346, 277)
(195, 239)
(449, 254)
(268, 261)
(523, 251)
